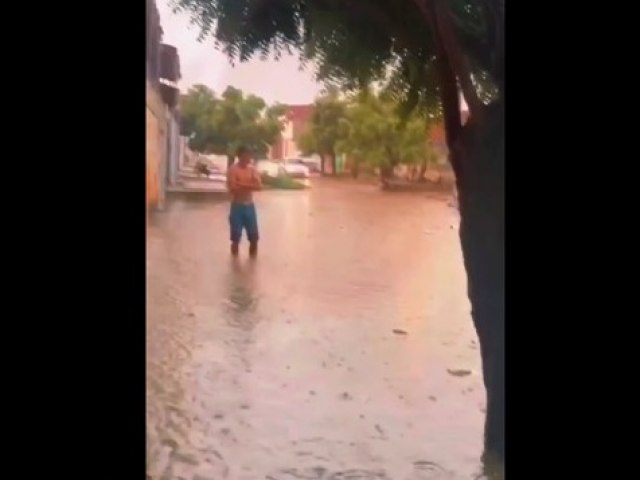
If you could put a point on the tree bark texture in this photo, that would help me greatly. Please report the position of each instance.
(480, 153)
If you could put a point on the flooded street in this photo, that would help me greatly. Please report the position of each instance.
(344, 351)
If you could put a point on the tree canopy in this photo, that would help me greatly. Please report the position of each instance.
(368, 128)
(220, 124)
(426, 51)
(323, 132)
(373, 133)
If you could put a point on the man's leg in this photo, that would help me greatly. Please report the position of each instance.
(235, 226)
(251, 224)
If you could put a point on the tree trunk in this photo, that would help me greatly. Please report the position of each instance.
(386, 172)
(477, 158)
(331, 157)
(480, 153)
(355, 169)
(423, 170)
(334, 164)
(230, 161)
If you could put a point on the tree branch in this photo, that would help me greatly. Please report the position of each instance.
(438, 16)
(381, 17)
(459, 61)
(448, 83)
(450, 98)
(494, 16)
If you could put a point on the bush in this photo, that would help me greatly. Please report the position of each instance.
(282, 183)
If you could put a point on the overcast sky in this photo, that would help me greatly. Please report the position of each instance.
(200, 62)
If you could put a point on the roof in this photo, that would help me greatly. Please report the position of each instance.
(169, 63)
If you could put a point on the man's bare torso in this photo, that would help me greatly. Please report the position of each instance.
(242, 181)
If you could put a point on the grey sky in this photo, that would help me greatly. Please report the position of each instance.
(280, 81)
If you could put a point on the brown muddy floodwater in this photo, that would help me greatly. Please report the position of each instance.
(345, 351)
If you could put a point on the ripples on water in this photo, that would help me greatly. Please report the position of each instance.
(287, 367)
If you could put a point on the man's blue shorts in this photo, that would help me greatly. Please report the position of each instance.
(243, 216)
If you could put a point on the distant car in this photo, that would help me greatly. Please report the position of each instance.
(311, 164)
(296, 168)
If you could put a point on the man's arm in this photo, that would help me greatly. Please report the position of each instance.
(254, 183)
(232, 181)
(257, 179)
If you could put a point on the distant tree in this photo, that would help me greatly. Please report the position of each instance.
(197, 109)
(323, 132)
(372, 132)
(221, 124)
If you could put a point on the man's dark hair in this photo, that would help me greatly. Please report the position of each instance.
(242, 149)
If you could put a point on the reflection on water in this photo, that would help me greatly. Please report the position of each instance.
(288, 366)
(242, 301)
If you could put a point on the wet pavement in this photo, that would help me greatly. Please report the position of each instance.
(344, 351)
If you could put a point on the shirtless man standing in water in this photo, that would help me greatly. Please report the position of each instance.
(242, 180)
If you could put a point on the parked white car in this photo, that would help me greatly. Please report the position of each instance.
(313, 163)
(296, 169)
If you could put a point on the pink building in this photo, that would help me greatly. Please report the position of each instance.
(297, 120)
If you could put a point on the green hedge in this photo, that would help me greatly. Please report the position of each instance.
(282, 183)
